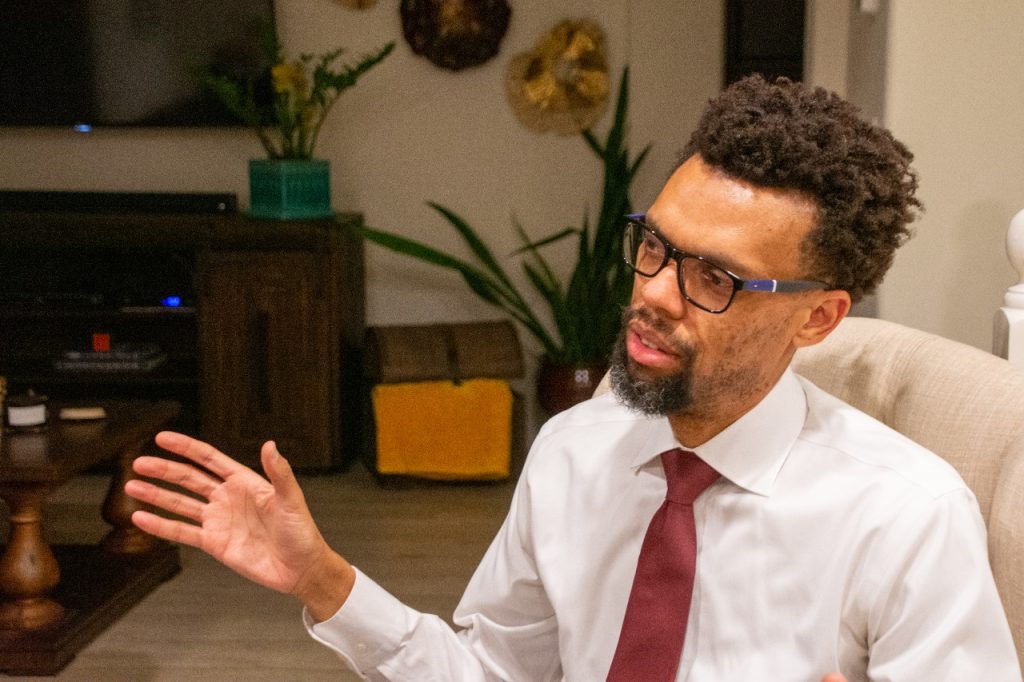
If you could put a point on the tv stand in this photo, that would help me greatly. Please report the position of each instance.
(266, 342)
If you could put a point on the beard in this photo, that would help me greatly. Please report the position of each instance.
(660, 396)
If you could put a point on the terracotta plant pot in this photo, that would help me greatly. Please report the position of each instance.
(560, 386)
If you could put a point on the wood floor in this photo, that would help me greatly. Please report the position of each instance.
(420, 542)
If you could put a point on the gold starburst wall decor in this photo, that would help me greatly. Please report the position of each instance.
(561, 84)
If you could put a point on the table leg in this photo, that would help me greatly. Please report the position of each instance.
(125, 538)
(28, 569)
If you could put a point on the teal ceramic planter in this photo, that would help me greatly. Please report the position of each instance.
(289, 189)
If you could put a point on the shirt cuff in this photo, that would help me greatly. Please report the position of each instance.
(368, 629)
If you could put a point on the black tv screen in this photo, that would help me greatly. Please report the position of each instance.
(84, 63)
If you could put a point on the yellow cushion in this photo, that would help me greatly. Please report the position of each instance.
(440, 430)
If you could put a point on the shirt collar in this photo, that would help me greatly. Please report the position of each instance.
(750, 451)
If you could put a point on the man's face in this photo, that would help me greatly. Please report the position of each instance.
(676, 359)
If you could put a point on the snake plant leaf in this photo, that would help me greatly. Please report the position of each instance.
(551, 294)
(533, 249)
(476, 245)
(477, 281)
(639, 160)
(561, 312)
(535, 245)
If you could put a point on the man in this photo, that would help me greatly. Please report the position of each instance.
(823, 543)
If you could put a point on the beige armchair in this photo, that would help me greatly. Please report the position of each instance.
(962, 403)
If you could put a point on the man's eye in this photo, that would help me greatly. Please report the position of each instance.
(652, 243)
(714, 277)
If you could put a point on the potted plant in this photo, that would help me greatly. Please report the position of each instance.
(286, 108)
(585, 311)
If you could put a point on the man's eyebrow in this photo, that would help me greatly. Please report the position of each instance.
(721, 260)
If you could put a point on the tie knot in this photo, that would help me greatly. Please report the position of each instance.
(687, 475)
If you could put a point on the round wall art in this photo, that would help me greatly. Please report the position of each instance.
(455, 34)
(560, 85)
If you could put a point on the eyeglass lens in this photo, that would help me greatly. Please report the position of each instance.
(700, 282)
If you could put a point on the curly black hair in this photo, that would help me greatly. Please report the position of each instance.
(789, 135)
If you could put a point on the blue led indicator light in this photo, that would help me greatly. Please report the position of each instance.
(171, 301)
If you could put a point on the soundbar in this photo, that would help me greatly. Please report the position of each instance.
(118, 202)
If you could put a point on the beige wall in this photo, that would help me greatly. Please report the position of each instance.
(826, 44)
(946, 78)
(954, 92)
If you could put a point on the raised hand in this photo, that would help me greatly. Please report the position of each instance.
(261, 529)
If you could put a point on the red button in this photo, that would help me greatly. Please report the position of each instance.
(101, 342)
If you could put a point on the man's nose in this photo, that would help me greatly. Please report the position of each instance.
(662, 292)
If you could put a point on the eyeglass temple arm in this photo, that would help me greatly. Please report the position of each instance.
(781, 285)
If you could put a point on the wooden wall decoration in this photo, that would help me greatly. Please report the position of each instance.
(455, 34)
(358, 4)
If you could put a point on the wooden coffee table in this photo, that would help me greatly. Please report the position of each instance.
(55, 600)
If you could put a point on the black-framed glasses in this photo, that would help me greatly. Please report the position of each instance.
(708, 286)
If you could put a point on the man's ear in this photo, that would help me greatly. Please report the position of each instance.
(830, 307)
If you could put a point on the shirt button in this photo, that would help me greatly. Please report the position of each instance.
(361, 647)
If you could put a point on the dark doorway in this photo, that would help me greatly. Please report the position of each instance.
(766, 37)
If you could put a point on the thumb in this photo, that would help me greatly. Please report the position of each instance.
(280, 474)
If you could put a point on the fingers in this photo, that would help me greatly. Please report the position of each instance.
(203, 454)
(176, 473)
(174, 531)
(281, 476)
(173, 502)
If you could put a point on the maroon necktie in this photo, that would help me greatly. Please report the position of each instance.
(654, 627)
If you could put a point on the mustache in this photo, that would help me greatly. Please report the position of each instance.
(663, 327)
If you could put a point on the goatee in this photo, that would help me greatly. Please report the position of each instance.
(660, 396)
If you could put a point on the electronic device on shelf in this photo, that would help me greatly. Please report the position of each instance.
(125, 357)
(77, 300)
(118, 202)
(53, 299)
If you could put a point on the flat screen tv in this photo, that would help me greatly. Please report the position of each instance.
(85, 63)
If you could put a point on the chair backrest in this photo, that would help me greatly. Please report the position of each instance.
(965, 405)
(960, 402)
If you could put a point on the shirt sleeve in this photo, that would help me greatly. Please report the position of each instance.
(508, 629)
(380, 638)
(935, 612)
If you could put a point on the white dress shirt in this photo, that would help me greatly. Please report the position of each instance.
(831, 543)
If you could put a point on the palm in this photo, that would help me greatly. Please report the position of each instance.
(261, 530)
(246, 528)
